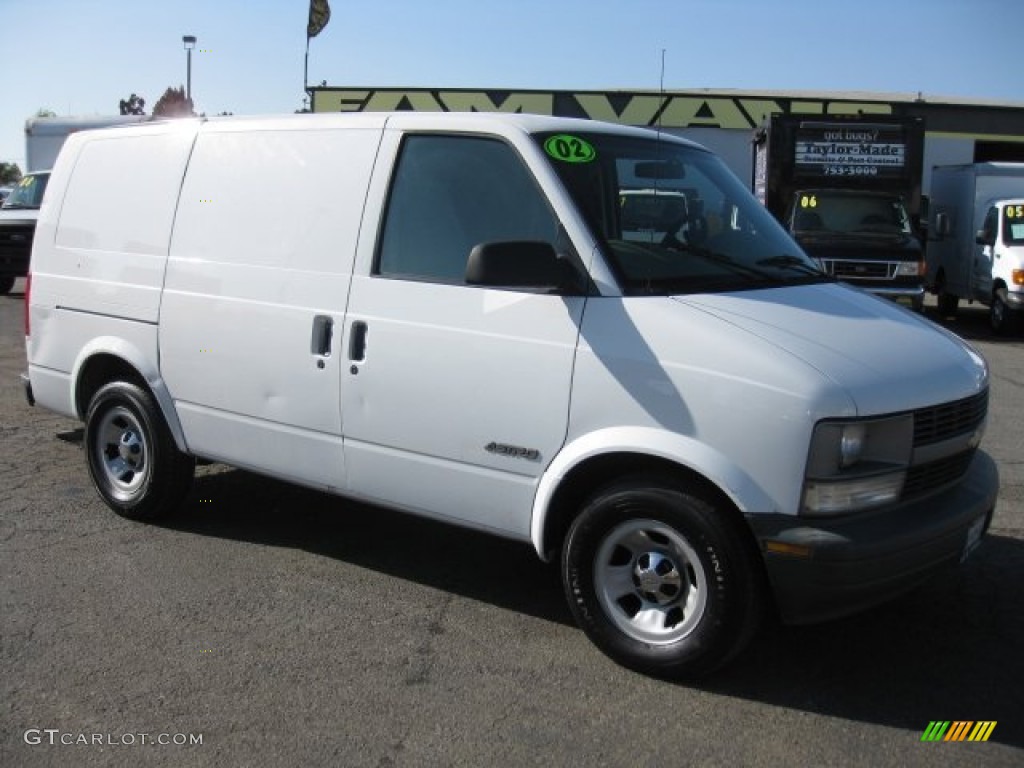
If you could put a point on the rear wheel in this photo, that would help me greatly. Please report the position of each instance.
(1002, 319)
(661, 579)
(948, 304)
(133, 460)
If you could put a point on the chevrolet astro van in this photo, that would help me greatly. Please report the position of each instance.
(441, 314)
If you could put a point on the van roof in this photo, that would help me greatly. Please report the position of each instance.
(468, 121)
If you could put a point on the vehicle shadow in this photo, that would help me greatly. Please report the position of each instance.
(950, 650)
(971, 322)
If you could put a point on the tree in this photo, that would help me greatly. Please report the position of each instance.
(44, 112)
(10, 173)
(174, 104)
(133, 105)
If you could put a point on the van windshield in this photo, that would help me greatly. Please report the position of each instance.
(671, 218)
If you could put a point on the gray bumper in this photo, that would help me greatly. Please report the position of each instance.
(26, 382)
(857, 561)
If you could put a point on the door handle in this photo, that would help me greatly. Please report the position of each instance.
(323, 330)
(357, 342)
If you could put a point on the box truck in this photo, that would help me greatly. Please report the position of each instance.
(848, 188)
(976, 250)
(447, 314)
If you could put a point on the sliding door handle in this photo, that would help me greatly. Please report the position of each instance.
(323, 330)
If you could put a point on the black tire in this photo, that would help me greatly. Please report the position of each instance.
(1001, 318)
(661, 580)
(947, 304)
(6, 283)
(133, 460)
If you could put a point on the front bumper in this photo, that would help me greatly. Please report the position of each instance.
(843, 565)
(26, 382)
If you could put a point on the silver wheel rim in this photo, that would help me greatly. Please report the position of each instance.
(650, 582)
(123, 455)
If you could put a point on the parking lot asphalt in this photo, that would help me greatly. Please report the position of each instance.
(285, 627)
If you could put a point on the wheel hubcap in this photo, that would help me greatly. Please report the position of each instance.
(650, 582)
(121, 447)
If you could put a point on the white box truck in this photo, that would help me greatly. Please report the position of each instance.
(446, 314)
(976, 250)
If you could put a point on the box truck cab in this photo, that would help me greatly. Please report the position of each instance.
(977, 251)
(446, 315)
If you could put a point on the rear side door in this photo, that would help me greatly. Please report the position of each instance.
(255, 294)
(455, 397)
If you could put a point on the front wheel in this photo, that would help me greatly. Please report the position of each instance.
(661, 579)
(133, 460)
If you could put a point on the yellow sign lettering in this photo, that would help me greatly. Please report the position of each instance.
(478, 101)
(639, 110)
(683, 112)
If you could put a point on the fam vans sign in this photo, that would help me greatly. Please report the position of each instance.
(679, 109)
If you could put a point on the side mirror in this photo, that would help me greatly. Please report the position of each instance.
(524, 264)
(981, 237)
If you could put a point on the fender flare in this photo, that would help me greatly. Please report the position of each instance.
(131, 354)
(698, 457)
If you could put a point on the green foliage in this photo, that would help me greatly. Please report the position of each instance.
(10, 173)
(44, 112)
(133, 105)
(174, 104)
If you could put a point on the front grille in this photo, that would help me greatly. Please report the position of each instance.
(16, 246)
(941, 422)
(933, 476)
(860, 270)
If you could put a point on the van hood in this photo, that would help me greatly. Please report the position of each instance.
(887, 358)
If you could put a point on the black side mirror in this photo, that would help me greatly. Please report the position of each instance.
(524, 264)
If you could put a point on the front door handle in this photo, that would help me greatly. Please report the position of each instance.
(357, 342)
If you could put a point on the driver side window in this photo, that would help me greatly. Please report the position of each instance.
(451, 193)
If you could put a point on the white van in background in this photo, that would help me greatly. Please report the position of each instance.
(444, 315)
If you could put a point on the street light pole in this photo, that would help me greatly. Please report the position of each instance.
(189, 42)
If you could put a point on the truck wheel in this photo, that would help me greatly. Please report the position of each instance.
(661, 580)
(1002, 319)
(6, 283)
(133, 460)
(947, 304)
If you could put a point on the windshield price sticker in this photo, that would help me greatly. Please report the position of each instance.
(569, 149)
(1015, 211)
(808, 201)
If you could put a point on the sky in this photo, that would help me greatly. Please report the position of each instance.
(81, 57)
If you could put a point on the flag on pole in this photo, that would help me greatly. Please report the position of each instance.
(319, 15)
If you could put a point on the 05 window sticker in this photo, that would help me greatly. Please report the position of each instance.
(569, 149)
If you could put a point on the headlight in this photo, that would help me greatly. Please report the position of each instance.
(910, 269)
(855, 465)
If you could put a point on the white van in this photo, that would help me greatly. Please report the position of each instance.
(439, 313)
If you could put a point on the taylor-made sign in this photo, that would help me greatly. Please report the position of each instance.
(829, 149)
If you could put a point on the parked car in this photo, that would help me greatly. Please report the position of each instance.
(18, 216)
